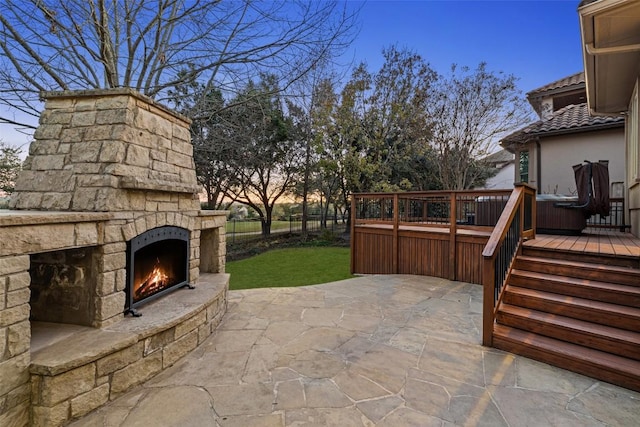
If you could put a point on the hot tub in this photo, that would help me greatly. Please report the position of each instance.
(552, 218)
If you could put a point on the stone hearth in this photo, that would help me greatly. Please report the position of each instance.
(105, 167)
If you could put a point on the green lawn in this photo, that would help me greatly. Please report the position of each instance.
(290, 267)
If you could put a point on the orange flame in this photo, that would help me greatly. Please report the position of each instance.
(156, 280)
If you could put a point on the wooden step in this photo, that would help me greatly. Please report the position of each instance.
(581, 288)
(594, 363)
(582, 270)
(602, 259)
(615, 315)
(601, 337)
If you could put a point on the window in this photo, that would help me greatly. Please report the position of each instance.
(574, 98)
(524, 166)
(633, 154)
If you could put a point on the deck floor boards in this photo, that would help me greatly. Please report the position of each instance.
(591, 242)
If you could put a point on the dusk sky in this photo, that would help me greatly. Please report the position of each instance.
(538, 41)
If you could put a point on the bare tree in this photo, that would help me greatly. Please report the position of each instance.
(469, 111)
(147, 45)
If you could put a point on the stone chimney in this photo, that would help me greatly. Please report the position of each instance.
(104, 150)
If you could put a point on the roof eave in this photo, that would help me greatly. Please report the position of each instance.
(610, 69)
(508, 142)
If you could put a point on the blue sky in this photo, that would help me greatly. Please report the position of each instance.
(538, 41)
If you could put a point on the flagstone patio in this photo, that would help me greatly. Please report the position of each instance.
(369, 351)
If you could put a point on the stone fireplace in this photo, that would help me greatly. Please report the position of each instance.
(105, 221)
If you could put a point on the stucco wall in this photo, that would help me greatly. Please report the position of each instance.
(558, 154)
(633, 160)
(503, 180)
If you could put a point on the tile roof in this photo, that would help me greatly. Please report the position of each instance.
(576, 79)
(570, 119)
(502, 156)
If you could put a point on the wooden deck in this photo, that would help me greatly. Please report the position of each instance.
(574, 302)
(591, 242)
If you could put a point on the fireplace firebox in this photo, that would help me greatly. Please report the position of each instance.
(157, 263)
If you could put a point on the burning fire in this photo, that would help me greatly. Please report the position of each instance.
(155, 281)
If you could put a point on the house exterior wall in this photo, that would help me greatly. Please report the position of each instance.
(503, 180)
(558, 154)
(633, 160)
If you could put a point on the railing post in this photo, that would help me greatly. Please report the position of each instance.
(534, 207)
(453, 229)
(396, 226)
(352, 238)
(488, 278)
(522, 212)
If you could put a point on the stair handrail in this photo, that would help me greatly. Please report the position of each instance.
(516, 223)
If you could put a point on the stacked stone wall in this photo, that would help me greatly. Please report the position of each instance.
(63, 391)
(92, 147)
(15, 334)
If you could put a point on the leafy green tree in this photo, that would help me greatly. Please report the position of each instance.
(266, 163)
(213, 148)
(303, 138)
(381, 128)
(312, 118)
(10, 165)
(329, 171)
(396, 124)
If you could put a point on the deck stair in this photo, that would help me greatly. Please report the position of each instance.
(580, 316)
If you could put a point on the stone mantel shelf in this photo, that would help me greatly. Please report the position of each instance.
(137, 183)
(32, 217)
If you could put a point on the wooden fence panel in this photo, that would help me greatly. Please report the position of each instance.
(423, 254)
(373, 251)
(469, 259)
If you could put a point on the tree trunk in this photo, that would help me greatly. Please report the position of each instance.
(266, 221)
(305, 190)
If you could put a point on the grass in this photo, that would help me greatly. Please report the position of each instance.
(290, 267)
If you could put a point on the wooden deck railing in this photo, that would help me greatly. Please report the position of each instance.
(437, 233)
(516, 223)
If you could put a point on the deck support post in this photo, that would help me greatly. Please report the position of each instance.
(352, 230)
(396, 226)
(452, 235)
(488, 274)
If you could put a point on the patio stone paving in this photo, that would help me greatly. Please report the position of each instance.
(369, 351)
